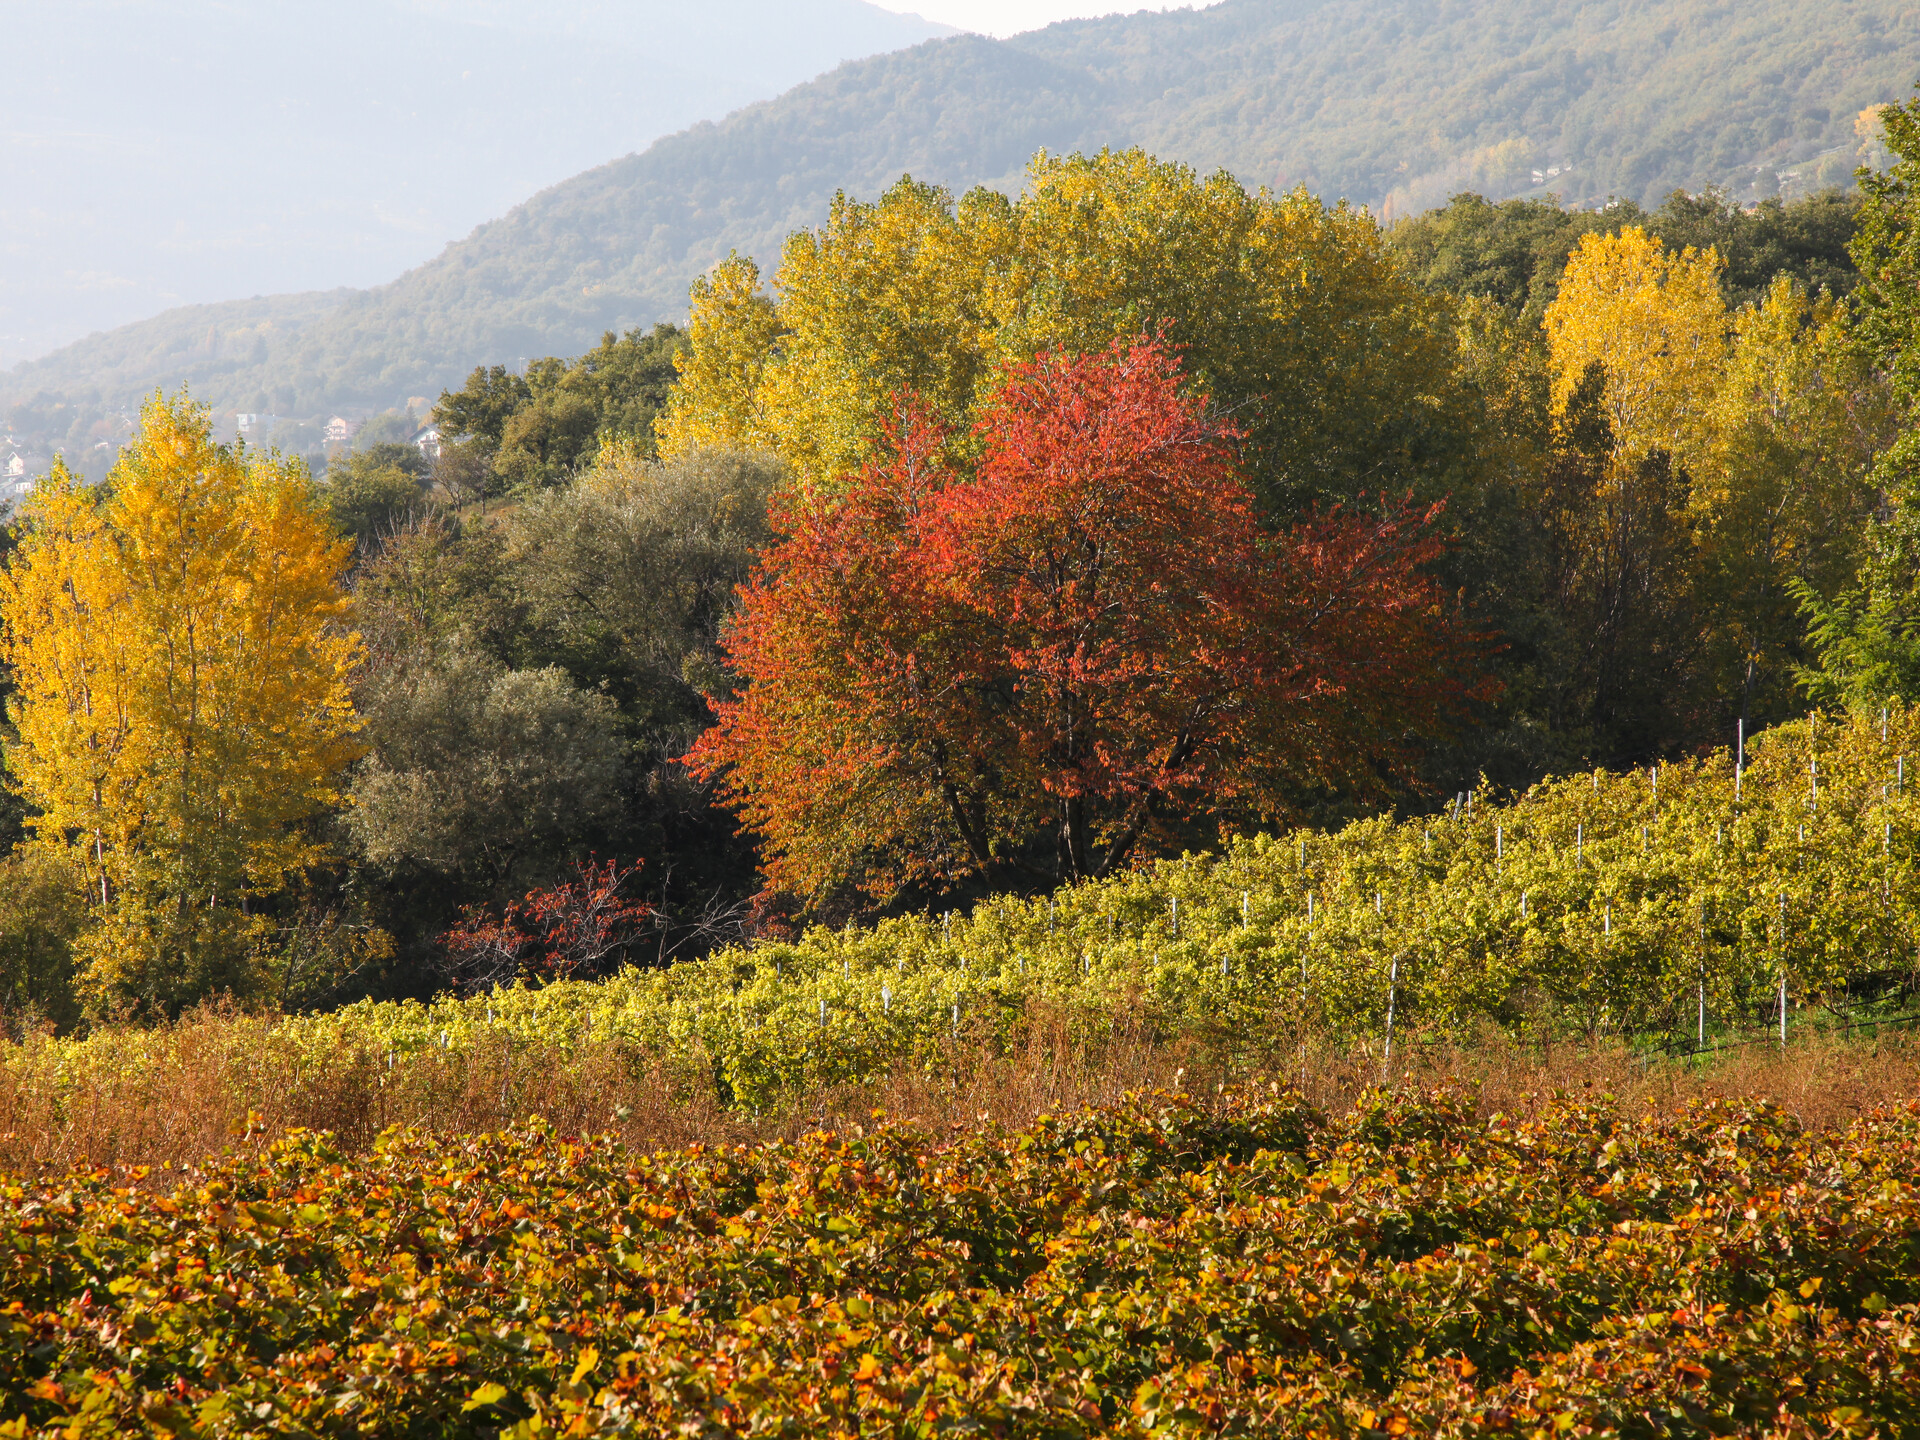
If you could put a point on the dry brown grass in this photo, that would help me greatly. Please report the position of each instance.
(217, 1080)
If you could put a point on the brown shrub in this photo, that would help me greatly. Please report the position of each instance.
(215, 1079)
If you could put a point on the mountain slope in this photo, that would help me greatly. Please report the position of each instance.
(165, 151)
(1392, 102)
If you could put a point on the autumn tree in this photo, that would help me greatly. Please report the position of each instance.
(1868, 636)
(1887, 251)
(1780, 488)
(1636, 343)
(1083, 651)
(1655, 324)
(578, 929)
(1294, 316)
(178, 644)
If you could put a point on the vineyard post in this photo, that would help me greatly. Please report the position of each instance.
(1739, 757)
(1701, 1041)
(1499, 850)
(1303, 995)
(1175, 903)
(1244, 924)
(1783, 970)
(1393, 982)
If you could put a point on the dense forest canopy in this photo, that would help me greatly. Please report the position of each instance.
(1395, 106)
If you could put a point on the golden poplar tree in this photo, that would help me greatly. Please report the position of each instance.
(1654, 321)
(178, 644)
(1636, 345)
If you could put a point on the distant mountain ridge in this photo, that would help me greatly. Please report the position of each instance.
(161, 152)
(1394, 103)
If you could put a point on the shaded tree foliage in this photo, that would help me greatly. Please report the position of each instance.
(1513, 252)
(542, 671)
(1868, 637)
(1643, 586)
(479, 772)
(534, 430)
(370, 491)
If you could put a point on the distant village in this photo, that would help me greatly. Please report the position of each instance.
(25, 458)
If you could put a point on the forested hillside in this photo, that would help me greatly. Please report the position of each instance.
(1393, 104)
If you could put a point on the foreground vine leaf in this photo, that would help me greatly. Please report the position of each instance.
(1154, 1269)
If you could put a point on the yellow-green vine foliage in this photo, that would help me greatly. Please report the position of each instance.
(1603, 904)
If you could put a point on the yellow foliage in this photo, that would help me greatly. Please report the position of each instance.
(1784, 473)
(1290, 313)
(1869, 129)
(177, 640)
(733, 330)
(1655, 321)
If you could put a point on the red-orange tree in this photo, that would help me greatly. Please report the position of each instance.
(1085, 650)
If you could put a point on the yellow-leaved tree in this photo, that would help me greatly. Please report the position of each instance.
(1655, 325)
(1293, 315)
(181, 660)
(1781, 484)
(1636, 342)
(1733, 455)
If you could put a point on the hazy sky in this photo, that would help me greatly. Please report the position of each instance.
(1009, 17)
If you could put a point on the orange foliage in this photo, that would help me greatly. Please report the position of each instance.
(1074, 655)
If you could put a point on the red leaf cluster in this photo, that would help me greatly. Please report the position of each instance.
(572, 930)
(1056, 662)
